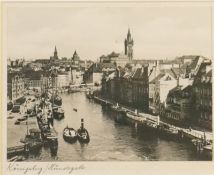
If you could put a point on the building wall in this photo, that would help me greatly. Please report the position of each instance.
(165, 87)
(152, 97)
(62, 80)
(178, 109)
(97, 77)
(168, 66)
(16, 88)
(33, 83)
(133, 92)
(203, 106)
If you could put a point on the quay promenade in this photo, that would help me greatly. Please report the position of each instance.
(140, 117)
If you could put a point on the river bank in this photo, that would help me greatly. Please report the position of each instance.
(200, 140)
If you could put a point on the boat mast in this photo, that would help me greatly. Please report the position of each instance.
(27, 126)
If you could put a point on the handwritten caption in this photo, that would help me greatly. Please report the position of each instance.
(53, 168)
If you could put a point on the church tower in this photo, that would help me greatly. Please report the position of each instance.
(128, 43)
(55, 54)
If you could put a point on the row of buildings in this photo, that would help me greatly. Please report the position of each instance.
(179, 91)
(44, 73)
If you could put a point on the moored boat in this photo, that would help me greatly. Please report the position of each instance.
(70, 135)
(21, 119)
(82, 133)
(9, 105)
(53, 144)
(119, 114)
(168, 131)
(21, 100)
(33, 140)
(58, 113)
(57, 100)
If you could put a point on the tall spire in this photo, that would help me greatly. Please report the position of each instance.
(128, 43)
(55, 53)
(129, 33)
(55, 50)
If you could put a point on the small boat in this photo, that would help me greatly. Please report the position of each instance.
(10, 117)
(58, 113)
(20, 120)
(69, 135)
(21, 100)
(16, 109)
(82, 134)
(9, 105)
(207, 150)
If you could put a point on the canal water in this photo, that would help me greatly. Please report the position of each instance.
(110, 141)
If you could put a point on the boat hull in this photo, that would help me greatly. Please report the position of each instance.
(83, 136)
(9, 106)
(58, 115)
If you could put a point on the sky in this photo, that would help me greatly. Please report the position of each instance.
(158, 32)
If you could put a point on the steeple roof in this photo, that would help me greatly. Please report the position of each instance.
(55, 49)
(129, 33)
(75, 56)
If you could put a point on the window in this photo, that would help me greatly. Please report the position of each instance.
(205, 115)
(202, 115)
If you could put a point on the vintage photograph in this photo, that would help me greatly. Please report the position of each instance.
(109, 82)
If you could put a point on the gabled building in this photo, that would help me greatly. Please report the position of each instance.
(159, 88)
(202, 95)
(179, 106)
(128, 87)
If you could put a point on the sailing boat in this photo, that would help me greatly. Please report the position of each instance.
(82, 133)
(55, 98)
